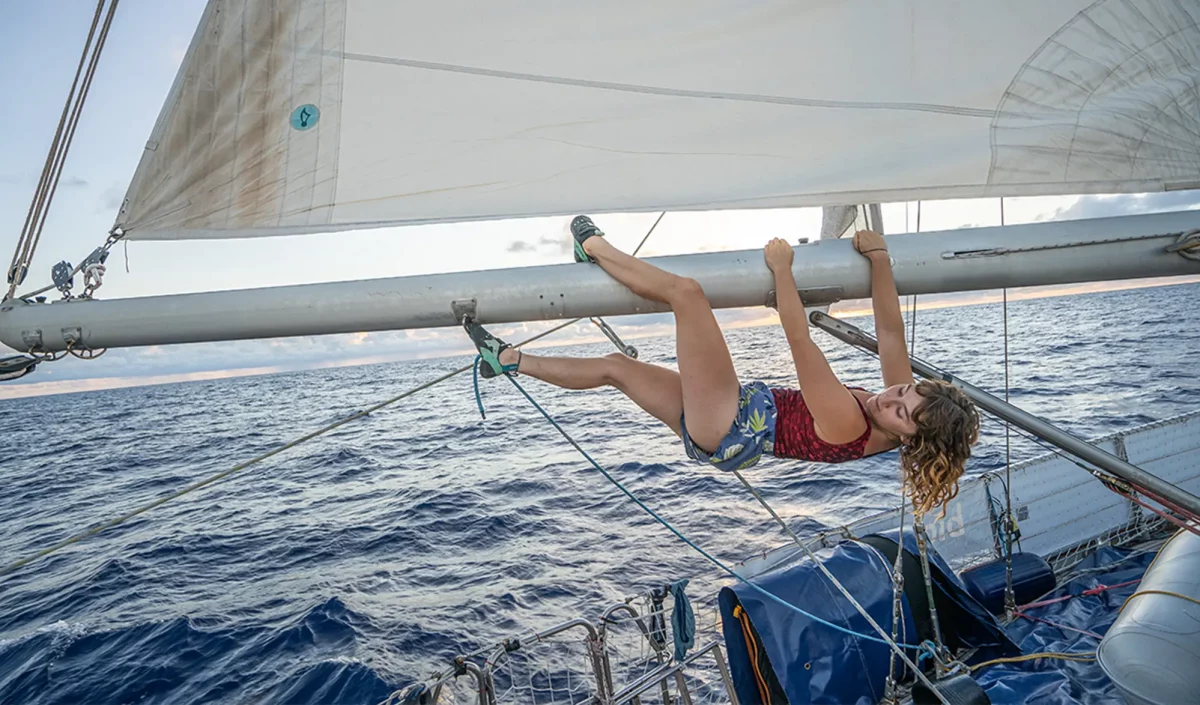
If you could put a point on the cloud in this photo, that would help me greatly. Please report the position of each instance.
(177, 50)
(92, 384)
(111, 199)
(549, 245)
(31, 180)
(557, 244)
(1105, 206)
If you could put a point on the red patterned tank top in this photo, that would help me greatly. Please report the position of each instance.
(796, 434)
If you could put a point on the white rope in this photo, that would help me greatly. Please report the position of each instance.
(93, 278)
(1188, 245)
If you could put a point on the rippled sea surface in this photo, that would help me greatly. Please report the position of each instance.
(355, 563)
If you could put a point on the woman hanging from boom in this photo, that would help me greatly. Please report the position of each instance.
(731, 425)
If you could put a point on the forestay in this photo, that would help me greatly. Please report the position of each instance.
(311, 115)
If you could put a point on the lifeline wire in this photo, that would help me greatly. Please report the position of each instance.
(1010, 600)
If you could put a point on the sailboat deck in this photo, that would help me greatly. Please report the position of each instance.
(1093, 600)
(1090, 536)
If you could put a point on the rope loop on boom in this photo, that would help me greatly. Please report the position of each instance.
(83, 352)
(1188, 245)
(93, 278)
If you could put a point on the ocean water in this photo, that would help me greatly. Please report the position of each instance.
(358, 562)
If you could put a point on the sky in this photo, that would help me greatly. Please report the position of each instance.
(39, 48)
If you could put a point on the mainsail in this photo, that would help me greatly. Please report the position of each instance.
(324, 115)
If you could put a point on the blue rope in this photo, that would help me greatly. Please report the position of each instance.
(475, 374)
(928, 650)
(715, 561)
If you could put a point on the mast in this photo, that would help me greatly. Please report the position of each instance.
(951, 261)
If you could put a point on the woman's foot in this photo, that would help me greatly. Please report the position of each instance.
(511, 357)
(582, 228)
(496, 356)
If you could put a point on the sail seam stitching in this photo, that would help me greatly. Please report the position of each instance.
(674, 92)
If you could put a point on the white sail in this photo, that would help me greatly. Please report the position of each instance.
(837, 221)
(311, 115)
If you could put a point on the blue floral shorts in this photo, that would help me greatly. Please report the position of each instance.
(751, 435)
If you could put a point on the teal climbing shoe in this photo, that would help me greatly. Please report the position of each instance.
(582, 228)
(489, 347)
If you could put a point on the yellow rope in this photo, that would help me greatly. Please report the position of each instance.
(1082, 658)
(1158, 592)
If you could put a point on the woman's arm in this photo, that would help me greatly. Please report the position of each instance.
(889, 322)
(834, 408)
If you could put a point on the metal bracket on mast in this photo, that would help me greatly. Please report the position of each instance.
(815, 296)
(32, 339)
(464, 309)
(1148, 483)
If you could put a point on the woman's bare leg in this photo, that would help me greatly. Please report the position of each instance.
(655, 389)
(708, 381)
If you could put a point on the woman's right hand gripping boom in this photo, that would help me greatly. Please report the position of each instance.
(836, 414)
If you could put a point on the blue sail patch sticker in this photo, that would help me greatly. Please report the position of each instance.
(305, 117)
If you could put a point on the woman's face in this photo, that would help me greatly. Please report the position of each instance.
(892, 409)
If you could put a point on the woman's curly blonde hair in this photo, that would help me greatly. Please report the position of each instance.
(934, 457)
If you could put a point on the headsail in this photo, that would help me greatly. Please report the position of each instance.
(320, 115)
